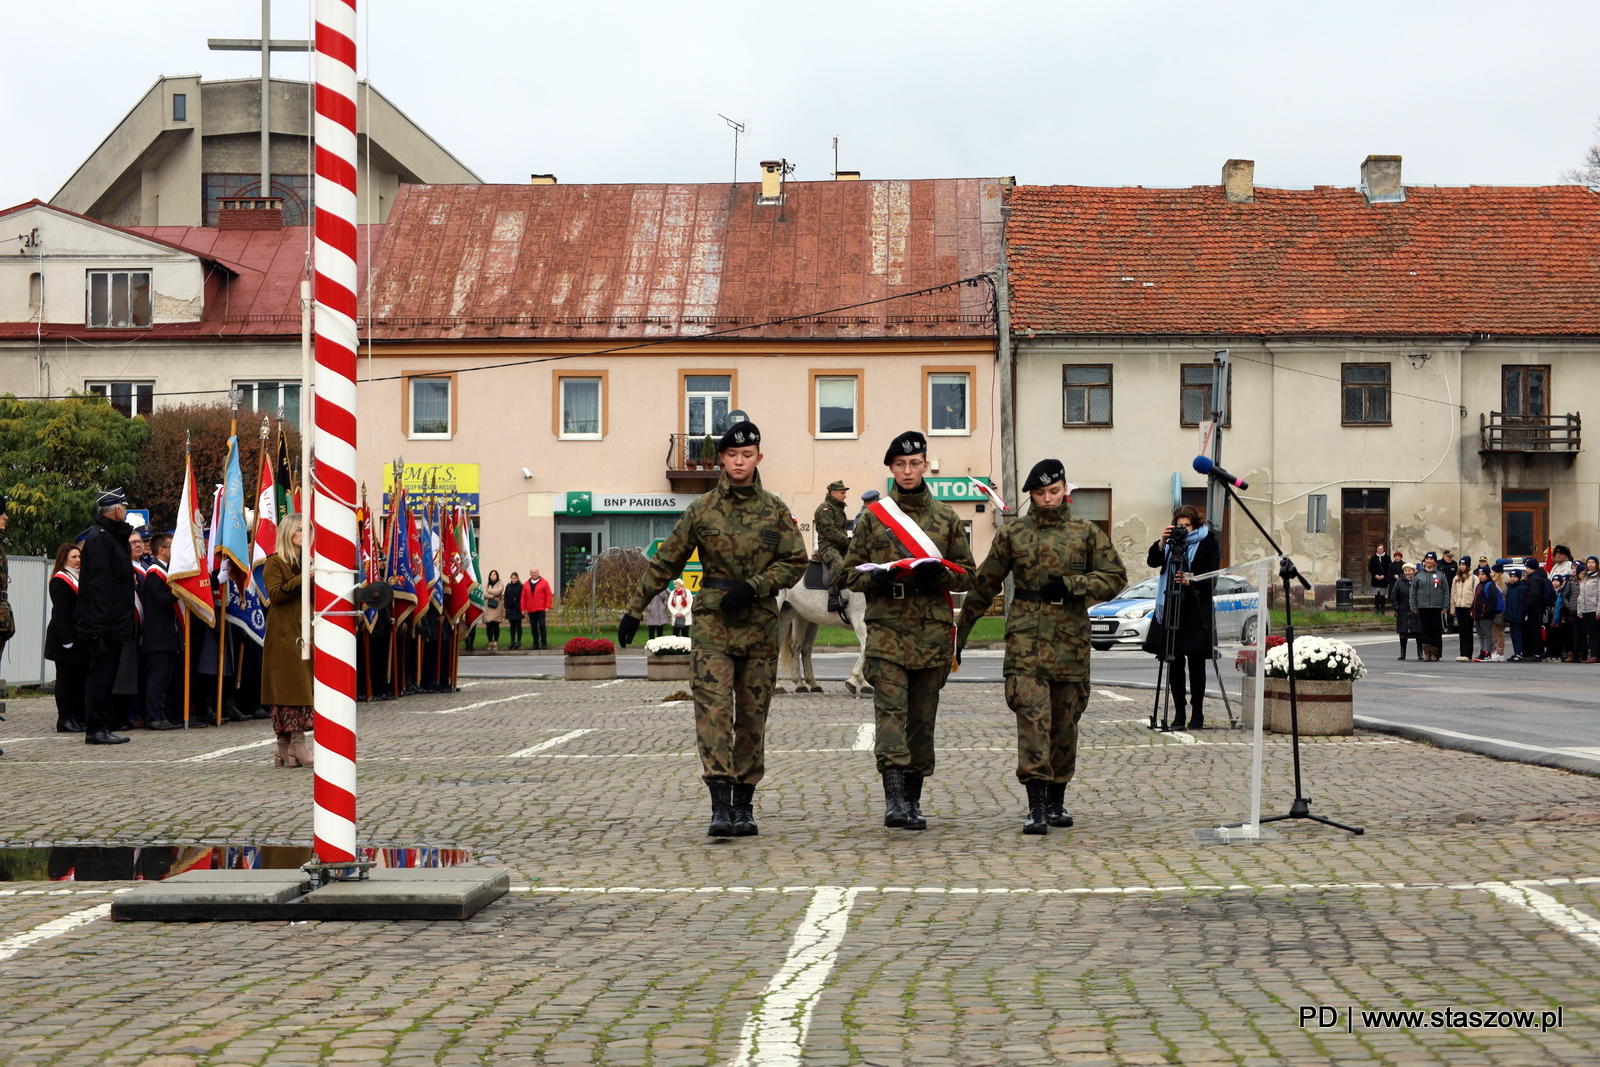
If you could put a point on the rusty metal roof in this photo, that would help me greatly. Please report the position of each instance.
(643, 261)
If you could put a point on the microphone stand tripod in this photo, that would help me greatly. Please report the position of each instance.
(1171, 606)
(1300, 808)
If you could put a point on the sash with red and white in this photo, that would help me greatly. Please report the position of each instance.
(158, 571)
(915, 540)
(139, 572)
(72, 583)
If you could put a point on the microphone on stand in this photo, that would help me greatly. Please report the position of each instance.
(1203, 465)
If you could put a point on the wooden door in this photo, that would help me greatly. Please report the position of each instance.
(1364, 525)
(1524, 522)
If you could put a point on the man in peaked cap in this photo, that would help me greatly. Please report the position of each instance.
(910, 620)
(1059, 565)
(832, 523)
(106, 591)
(750, 547)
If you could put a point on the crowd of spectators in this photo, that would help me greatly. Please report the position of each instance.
(1547, 611)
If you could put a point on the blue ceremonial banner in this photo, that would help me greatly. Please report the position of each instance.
(435, 544)
(244, 608)
(233, 534)
(401, 577)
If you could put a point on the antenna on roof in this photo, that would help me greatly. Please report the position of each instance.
(738, 128)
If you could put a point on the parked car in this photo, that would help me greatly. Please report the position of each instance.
(1126, 619)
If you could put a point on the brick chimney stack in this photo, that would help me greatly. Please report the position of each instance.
(1239, 181)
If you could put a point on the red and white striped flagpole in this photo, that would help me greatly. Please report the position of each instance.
(332, 484)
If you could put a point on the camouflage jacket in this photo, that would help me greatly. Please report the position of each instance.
(743, 534)
(831, 524)
(1047, 640)
(915, 631)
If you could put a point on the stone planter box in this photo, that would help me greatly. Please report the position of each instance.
(669, 668)
(591, 668)
(1326, 708)
(1247, 701)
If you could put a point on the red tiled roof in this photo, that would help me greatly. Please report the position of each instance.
(1446, 261)
(615, 261)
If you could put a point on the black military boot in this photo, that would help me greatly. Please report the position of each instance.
(914, 817)
(1055, 805)
(721, 807)
(1036, 823)
(744, 815)
(894, 797)
(835, 602)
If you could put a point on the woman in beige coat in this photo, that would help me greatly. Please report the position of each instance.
(286, 688)
(494, 610)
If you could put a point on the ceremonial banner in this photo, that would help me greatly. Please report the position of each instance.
(189, 576)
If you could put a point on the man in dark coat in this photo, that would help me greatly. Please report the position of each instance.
(161, 639)
(1378, 571)
(1541, 595)
(105, 612)
(1195, 641)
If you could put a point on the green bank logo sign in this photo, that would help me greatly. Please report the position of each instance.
(953, 490)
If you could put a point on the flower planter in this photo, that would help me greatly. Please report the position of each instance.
(587, 668)
(668, 668)
(1326, 708)
(1247, 701)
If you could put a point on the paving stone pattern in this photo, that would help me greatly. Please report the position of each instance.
(666, 967)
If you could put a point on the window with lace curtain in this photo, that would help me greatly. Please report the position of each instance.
(430, 408)
(580, 409)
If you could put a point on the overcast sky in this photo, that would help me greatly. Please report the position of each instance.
(1052, 92)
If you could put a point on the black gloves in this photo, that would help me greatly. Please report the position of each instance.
(627, 626)
(883, 577)
(738, 598)
(1055, 589)
(928, 569)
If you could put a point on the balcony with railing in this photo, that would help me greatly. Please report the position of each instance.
(1503, 434)
(692, 462)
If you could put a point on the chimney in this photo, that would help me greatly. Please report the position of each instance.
(1239, 181)
(543, 179)
(251, 213)
(772, 171)
(847, 175)
(1380, 180)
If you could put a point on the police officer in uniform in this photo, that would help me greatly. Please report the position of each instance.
(1060, 564)
(910, 624)
(833, 540)
(750, 547)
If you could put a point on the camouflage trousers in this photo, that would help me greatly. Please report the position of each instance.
(731, 695)
(906, 705)
(836, 570)
(1047, 726)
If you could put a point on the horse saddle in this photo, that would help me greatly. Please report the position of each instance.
(816, 575)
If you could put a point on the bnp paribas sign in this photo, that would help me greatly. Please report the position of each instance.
(953, 490)
(588, 503)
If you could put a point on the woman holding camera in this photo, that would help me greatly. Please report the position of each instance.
(1186, 548)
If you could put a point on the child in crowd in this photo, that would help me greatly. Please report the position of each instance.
(1516, 596)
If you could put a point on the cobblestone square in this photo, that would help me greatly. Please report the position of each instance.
(631, 938)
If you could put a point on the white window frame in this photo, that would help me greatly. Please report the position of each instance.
(709, 397)
(965, 431)
(103, 388)
(110, 276)
(449, 408)
(254, 393)
(855, 406)
(600, 408)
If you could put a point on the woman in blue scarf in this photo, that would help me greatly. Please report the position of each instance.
(1196, 637)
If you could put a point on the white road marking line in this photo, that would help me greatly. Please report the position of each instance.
(775, 1033)
(866, 736)
(1182, 738)
(551, 743)
(482, 704)
(1113, 696)
(1568, 920)
(1103, 890)
(1360, 719)
(226, 751)
(602, 685)
(15, 944)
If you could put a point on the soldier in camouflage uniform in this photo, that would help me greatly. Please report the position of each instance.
(833, 540)
(910, 637)
(1060, 564)
(750, 547)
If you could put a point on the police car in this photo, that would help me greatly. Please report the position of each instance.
(1126, 619)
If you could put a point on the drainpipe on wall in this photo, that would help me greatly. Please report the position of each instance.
(1005, 356)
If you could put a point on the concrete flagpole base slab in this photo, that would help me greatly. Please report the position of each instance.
(1234, 835)
(386, 895)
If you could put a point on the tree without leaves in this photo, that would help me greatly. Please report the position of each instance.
(57, 457)
(1589, 173)
(612, 577)
(158, 482)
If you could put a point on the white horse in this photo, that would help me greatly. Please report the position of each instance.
(800, 612)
